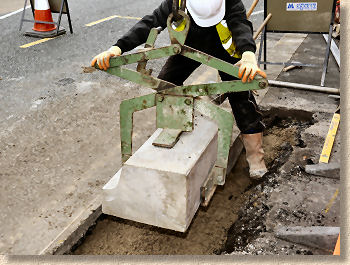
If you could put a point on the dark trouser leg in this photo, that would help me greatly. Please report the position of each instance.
(248, 119)
(177, 69)
(245, 109)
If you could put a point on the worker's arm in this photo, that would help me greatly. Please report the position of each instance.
(242, 35)
(240, 26)
(138, 34)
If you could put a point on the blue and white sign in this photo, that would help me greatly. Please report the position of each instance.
(309, 6)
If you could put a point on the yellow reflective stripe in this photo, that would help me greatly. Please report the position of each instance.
(225, 35)
(181, 27)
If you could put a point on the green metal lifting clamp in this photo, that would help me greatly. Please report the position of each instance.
(175, 105)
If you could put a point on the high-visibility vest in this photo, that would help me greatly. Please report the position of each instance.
(225, 36)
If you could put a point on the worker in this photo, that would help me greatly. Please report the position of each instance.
(209, 20)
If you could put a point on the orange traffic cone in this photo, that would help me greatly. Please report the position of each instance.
(337, 247)
(43, 13)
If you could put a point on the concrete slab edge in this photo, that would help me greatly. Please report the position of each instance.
(321, 237)
(63, 243)
(328, 170)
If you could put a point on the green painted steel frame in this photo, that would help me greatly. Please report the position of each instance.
(142, 79)
(178, 36)
(224, 121)
(127, 108)
(147, 54)
(223, 118)
(175, 112)
(214, 88)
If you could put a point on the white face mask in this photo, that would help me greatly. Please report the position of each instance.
(206, 13)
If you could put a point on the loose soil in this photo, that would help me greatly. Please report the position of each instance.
(224, 226)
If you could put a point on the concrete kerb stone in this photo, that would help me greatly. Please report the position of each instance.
(320, 237)
(164, 182)
(329, 170)
(77, 229)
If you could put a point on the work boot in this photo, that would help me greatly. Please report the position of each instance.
(254, 154)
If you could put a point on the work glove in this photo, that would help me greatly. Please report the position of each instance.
(103, 58)
(249, 68)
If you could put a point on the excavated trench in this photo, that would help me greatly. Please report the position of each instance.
(230, 222)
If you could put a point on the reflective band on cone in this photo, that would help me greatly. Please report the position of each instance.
(43, 13)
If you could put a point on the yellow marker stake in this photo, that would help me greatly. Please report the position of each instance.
(35, 42)
(328, 144)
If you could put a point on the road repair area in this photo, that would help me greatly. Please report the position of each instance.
(60, 145)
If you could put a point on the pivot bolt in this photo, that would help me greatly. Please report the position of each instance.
(188, 101)
(262, 84)
(160, 98)
(177, 49)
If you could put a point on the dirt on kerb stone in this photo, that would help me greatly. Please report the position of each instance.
(215, 229)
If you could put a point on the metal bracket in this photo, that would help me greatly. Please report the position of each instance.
(175, 112)
(178, 37)
(167, 138)
(127, 108)
(141, 66)
(209, 186)
(224, 120)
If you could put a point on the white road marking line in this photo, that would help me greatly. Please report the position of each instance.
(13, 13)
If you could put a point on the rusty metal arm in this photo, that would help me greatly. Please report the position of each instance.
(217, 64)
(139, 78)
(209, 60)
(224, 120)
(127, 108)
(150, 54)
(217, 88)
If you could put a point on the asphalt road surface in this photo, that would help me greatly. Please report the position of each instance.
(29, 74)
